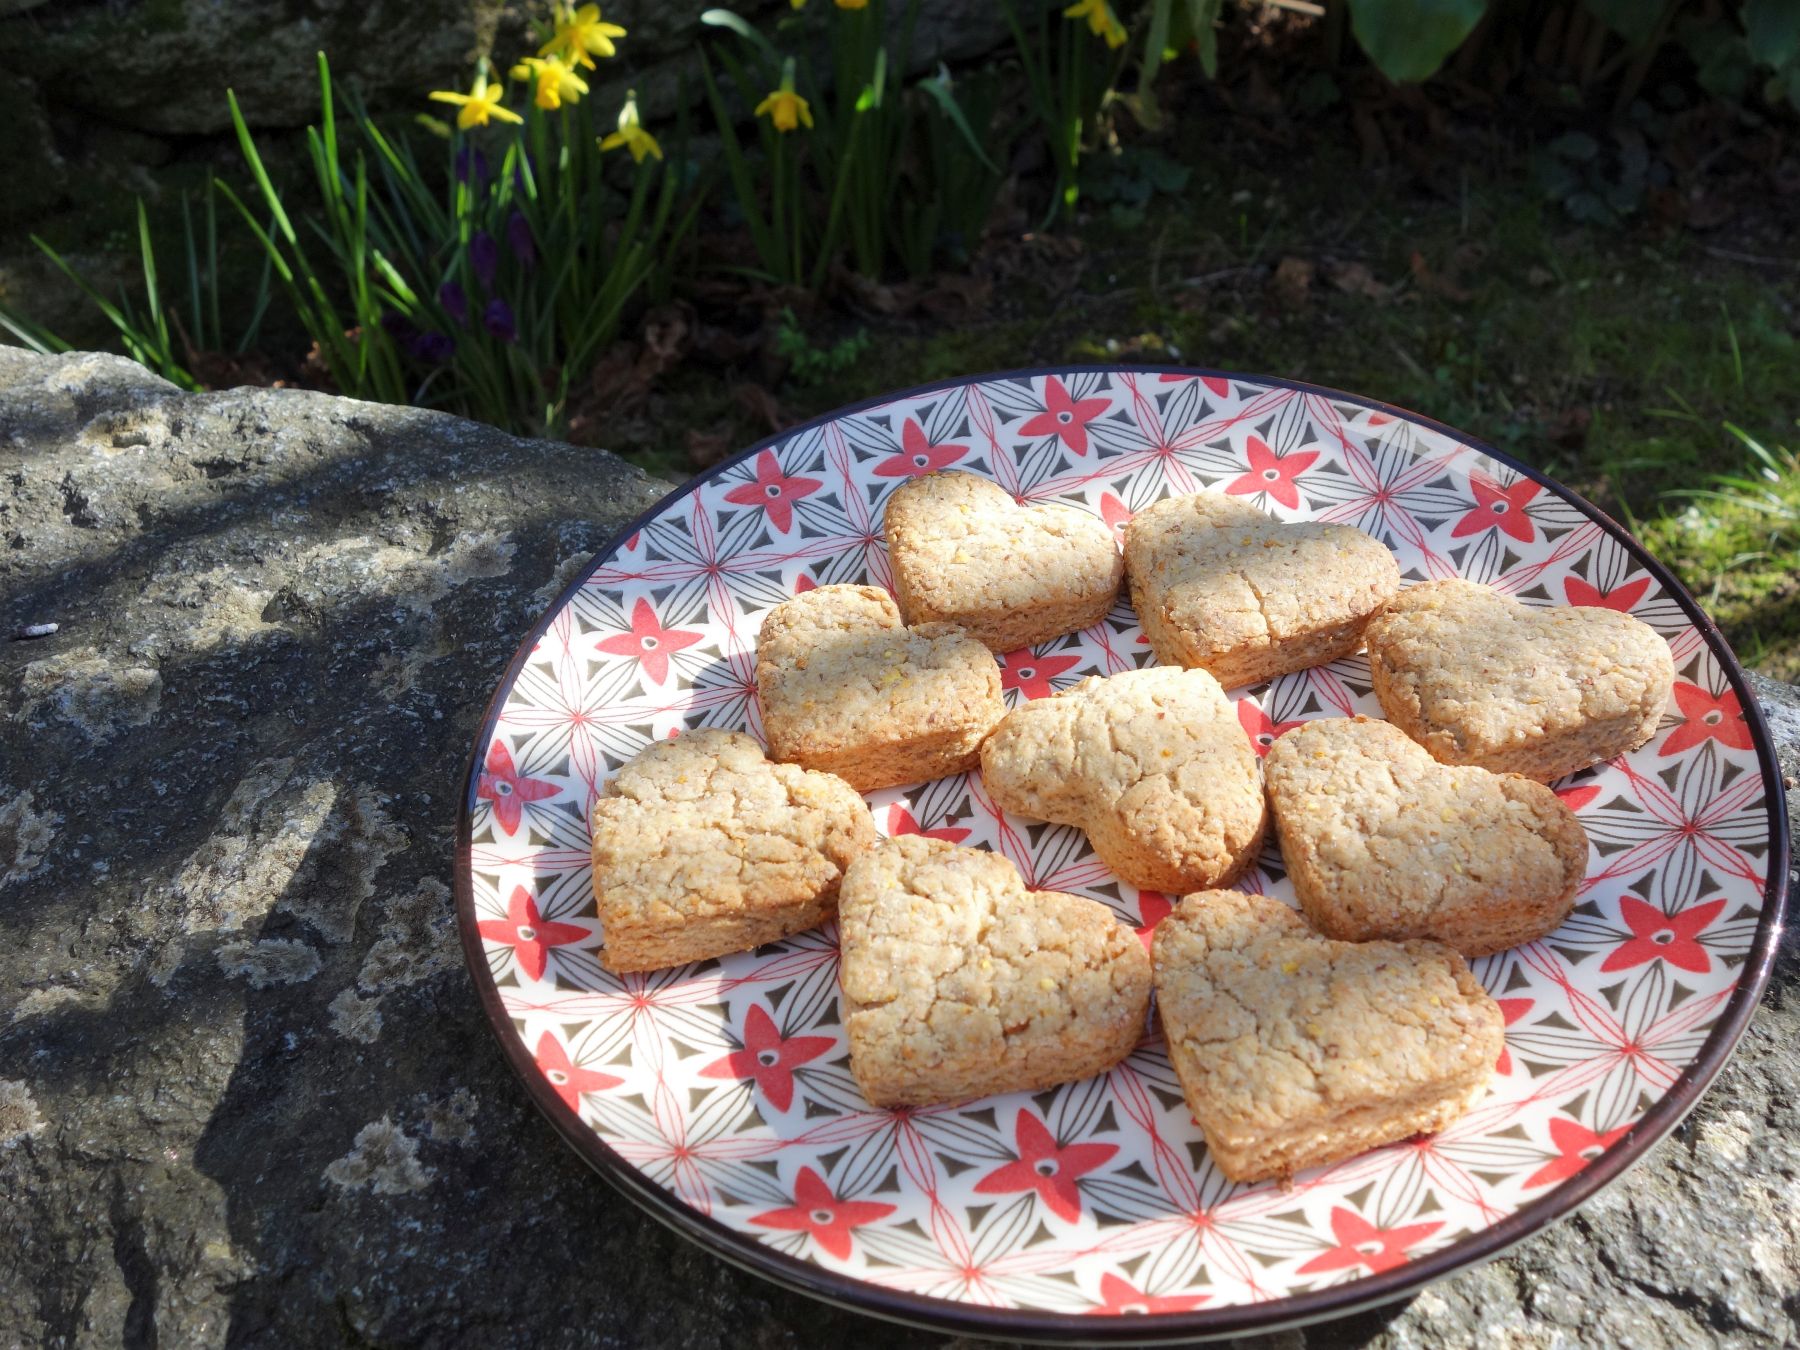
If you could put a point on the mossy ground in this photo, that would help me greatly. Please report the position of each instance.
(1611, 358)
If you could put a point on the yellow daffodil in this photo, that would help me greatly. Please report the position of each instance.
(852, 4)
(631, 133)
(557, 83)
(580, 35)
(480, 104)
(1100, 20)
(786, 109)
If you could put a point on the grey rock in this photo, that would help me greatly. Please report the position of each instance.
(247, 1095)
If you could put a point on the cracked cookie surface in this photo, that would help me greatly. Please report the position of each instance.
(1295, 1050)
(848, 688)
(702, 846)
(1477, 677)
(1382, 841)
(964, 552)
(1220, 585)
(959, 983)
(1152, 764)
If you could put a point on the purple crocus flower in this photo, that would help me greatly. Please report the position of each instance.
(397, 326)
(432, 348)
(471, 163)
(484, 257)
(498, 319)
(519, 239)
(452, 297)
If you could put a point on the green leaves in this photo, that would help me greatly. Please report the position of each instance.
(1773, 27)
(1409, 39)
(1633, 20)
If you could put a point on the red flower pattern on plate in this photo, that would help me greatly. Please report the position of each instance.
(1272, 473)
(819, 1213)
(1064, 417)
(1361, 1243)
(1499, 507)
(901, 821)
(529, 934)
(1115, 513)
(503, 785)
(1511, 1010)
(568, 1078)
(1153, 908)
(774, 491)
(1656, 936)
(1044, 1166)
(1718, 717)
(1621, 598)
(917, 455)
(1031, 674)
(768, 1058)
(1260, 727)
(1120, 1298)
(1576, 1147)
(648, 642)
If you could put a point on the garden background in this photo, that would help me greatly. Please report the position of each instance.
(1565, 228)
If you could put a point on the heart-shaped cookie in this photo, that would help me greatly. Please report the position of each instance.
(1476, 677)
(964, 552)
(1219, 585)
(848, 688)
(1152, 764)
(959, 983)
(702, 847)
(1382, 841)
(1295, 1051)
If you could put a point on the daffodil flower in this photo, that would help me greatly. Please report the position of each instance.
(852, 4)
(580, 35)
(481, 104)
(557, 83)
(786, 109)
(631, 133)
(1100, 20)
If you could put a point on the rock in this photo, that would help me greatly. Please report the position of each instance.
(168, 63)
(246, 1091)
(36, 174)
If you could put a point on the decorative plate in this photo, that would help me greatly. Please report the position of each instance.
(718, 1095)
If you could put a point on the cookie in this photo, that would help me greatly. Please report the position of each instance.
(1152, 764)
(1219, 585)
(1295, 1051)
(1382, 841)
(959, 983)
(849, 689)
(703, 847)
(964, 552)
(1476, 677)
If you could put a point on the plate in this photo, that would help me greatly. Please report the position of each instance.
(718, 1095)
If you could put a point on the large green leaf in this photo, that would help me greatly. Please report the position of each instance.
(1633, 20)
(1773, 27)
(1409, 39)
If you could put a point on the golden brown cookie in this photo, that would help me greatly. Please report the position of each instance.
(1476, 677)
(1219, 585)
(1152, 764)
(703, 847)
(960, 983)
(1295, 1051)
(849, 689)
(964, 552)
(1382, 841)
